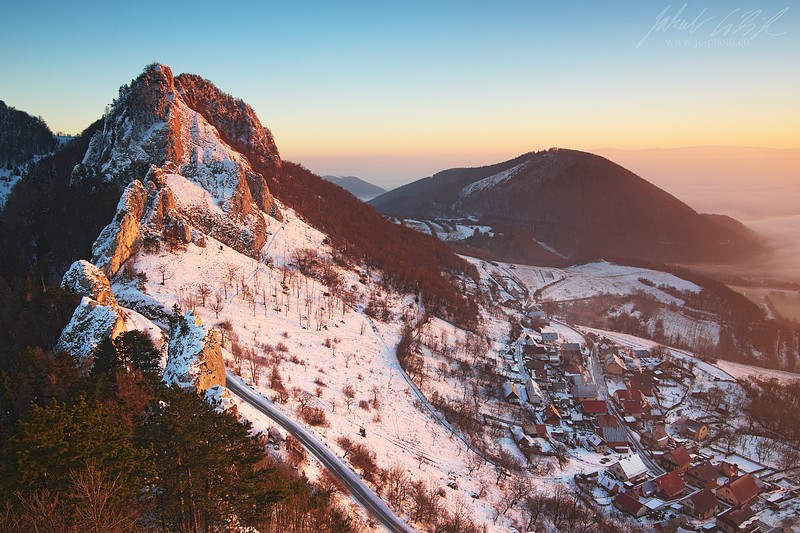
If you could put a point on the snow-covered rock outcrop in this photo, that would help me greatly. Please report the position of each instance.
(183, 133)
(90, 324)
(195, 357)
(87, 280)
(98, 315)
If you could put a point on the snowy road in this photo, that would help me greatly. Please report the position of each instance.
(360, 492)
(598, 377)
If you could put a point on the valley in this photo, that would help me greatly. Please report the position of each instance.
(459, 367)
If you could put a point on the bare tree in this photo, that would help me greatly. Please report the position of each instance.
(203, 290)
(396, 485)
(349, 394)
(514, 492)
(346, 443)
(99, 505)
(255, 363)
(302, 397)
(217, 304)
(165, 272)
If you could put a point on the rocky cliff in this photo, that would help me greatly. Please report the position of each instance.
(181, 135)
(194, 357)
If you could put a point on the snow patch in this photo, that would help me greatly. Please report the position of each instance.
(492, 181)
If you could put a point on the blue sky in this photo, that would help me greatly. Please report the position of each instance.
(397, 90)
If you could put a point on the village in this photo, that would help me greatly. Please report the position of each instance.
(656, 425)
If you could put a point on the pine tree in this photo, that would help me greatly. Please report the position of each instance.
(50, 443)
(206, 465)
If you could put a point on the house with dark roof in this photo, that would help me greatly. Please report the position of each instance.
(739, 491)
(677, 459)
(627, 503)
(643, 381)
(609, 428)
(535, 430)
(669, 486)
(614, 365)
(631, 402)
(531, 365)
(571, 347)
(704, 476)
(510, 392)
(552, 416)
(533, 349)
(702, 505)
(729, 470)
(695, 430)
(738, 520)
(655, 439)
(670, 526)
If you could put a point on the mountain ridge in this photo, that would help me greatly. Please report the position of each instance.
(361, 189)
(579, 203)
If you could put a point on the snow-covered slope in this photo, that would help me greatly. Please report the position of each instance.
(601, 277)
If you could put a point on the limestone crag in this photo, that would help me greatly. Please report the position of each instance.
(121, 238)
(194, 357)
(85, 279)
(173, 129)
(90, 324)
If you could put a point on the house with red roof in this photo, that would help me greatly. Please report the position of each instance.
(627, 503)
(739, 491)
(677, 459)
(594, 407)
(669, 486)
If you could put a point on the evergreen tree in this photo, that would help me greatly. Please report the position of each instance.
(207, 465)
(50, 443)
(106, 358)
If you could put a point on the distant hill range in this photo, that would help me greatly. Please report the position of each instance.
(359, 188)
(22, 136)
(575, 204)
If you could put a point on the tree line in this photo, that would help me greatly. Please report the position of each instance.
(118, 450)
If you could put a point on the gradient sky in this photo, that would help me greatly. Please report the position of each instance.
(393, 91)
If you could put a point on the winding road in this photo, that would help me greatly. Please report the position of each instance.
(360, 492)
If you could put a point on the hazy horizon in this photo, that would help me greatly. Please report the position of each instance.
(757, 186)
(396, 92)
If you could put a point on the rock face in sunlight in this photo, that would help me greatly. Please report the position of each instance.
(86, 279)
(120, 239)
(195, 357)
(90, 324)
(172, 132)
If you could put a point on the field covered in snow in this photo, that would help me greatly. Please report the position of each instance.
(600, 277)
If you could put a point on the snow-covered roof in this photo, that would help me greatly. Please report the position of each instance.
(632, 466)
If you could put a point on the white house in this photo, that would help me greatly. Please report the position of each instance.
(535, 395)
(630, 468)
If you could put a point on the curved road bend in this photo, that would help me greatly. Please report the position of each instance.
(360, 492)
